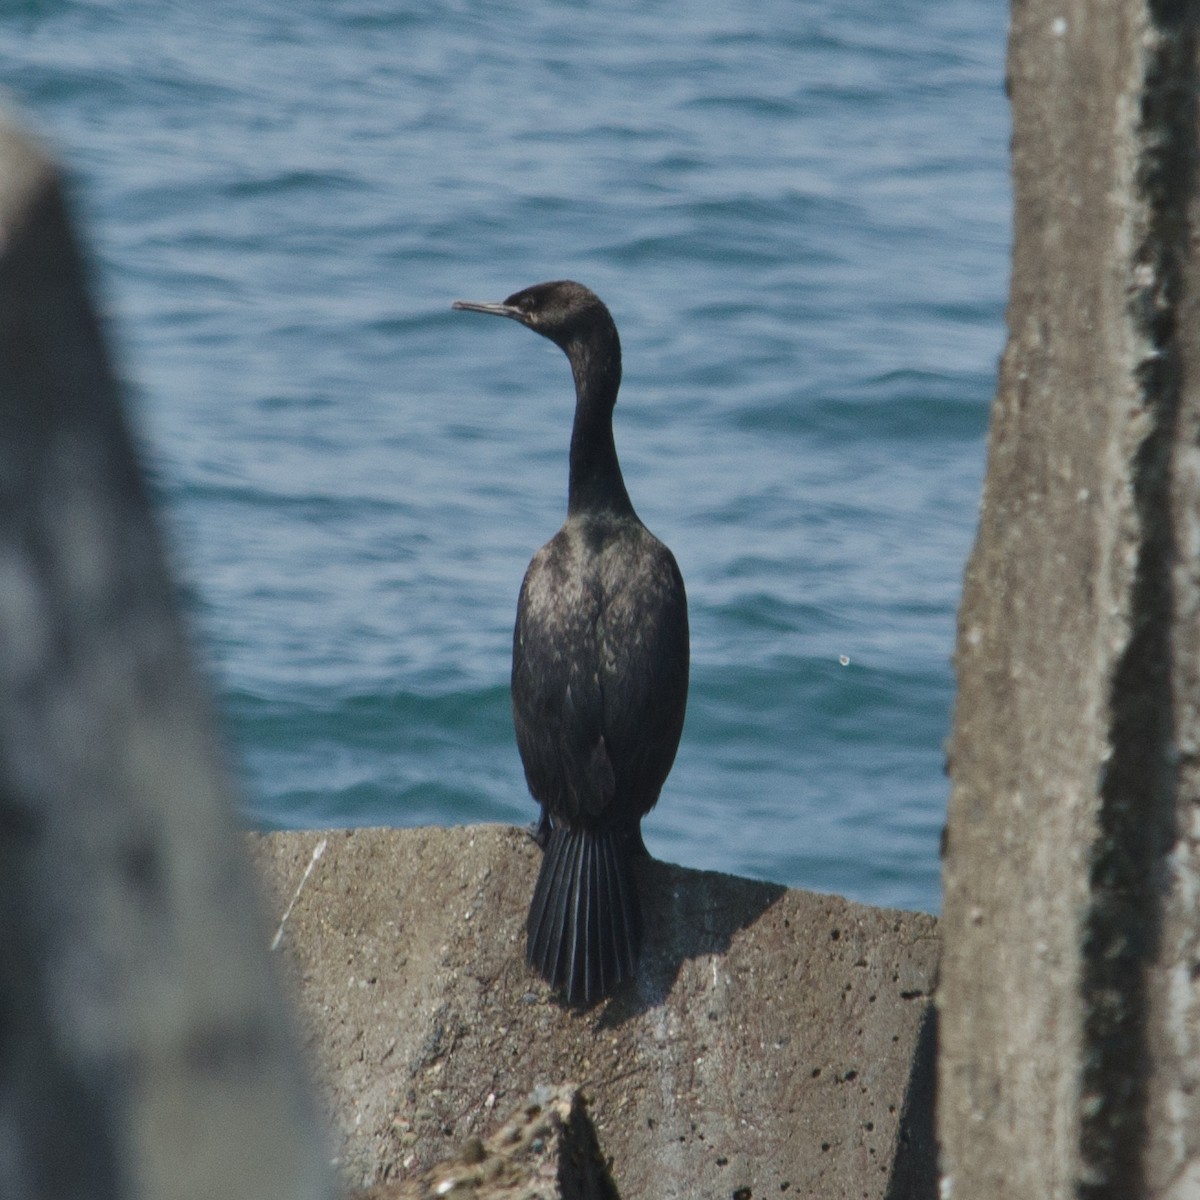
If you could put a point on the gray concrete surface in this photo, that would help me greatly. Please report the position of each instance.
(1068, 1003)
(773, 1043)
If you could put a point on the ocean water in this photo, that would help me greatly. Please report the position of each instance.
(799, 215)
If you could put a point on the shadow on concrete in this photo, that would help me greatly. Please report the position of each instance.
(688, 914)
(914, 1169)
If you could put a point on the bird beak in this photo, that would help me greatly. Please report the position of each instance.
(497, 310)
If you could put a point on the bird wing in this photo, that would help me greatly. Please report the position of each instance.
(643, 637)
(600, 673)
(558, 708)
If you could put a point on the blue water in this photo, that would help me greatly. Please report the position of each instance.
(799, 215)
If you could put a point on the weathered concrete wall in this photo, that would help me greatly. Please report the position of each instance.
(773, 1043)
(143, 1045)
(1069, 1031)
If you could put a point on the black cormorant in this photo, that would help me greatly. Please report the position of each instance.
(599, 672)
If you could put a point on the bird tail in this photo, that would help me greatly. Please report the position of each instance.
(585, 922)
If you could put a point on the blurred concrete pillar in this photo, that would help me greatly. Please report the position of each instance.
(1070, 1040)
(143, 1046)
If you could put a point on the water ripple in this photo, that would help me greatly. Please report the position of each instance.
(799, 214)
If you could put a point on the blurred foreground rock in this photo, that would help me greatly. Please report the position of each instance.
(773, 1042)
(144, 1048)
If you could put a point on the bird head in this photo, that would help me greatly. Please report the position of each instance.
(563, 311)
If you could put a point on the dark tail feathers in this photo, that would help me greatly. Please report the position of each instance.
(585, 922)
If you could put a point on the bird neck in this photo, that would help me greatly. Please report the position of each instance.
(596, 484)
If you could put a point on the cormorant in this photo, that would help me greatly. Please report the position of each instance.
(599, 672)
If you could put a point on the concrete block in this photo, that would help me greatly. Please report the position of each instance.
(774, 1042)
(1068, 1002)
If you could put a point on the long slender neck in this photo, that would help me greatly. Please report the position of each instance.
(596, 485)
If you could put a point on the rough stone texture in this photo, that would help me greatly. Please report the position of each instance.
(546, 1151)
(773, 1042)
(1068, 1002)
(1172, 1116)
(143, 1046)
